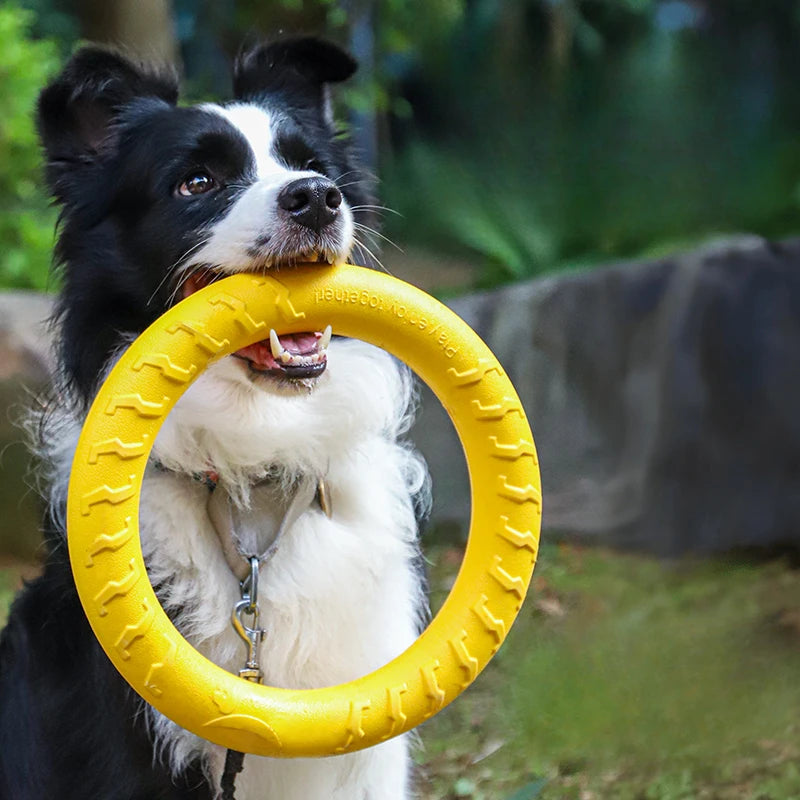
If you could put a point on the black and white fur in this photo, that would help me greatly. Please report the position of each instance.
(342, 595)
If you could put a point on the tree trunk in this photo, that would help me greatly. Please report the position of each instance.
(143, 28)
(562, 36)
(362, 46)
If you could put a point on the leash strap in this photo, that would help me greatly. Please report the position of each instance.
(252, 637)
(232, 529)
(234, 764)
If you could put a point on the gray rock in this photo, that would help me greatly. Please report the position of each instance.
(25, 364)
(664, 398)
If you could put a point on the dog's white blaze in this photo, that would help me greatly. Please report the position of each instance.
(256, 125)
(254, 217)
(340, 597)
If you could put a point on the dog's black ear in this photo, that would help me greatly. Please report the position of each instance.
(76, 112)
(294, 65)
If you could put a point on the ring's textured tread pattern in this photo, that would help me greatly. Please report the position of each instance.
(109, 467)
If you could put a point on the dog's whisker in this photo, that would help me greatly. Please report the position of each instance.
(183, 279)
(203, 272)
(345, 174)
(368, 207)
(179, 284)
(345, 185)
(372, 232)
(372, 255)
(173, 268)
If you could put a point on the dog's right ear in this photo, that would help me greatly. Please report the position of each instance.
(292, 68)
(76, 113)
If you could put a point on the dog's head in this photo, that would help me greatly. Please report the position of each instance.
(160, 199)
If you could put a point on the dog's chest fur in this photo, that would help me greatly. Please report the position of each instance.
(341, 595)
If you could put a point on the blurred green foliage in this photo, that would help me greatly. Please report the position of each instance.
(524, 135)
(555, 134)
(26, 221)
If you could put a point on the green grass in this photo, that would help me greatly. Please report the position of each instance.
(626, 678)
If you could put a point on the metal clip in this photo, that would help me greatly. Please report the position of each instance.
(252, 636)
(220, 510)
(324, 497)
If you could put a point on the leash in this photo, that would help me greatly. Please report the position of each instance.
(234, 764)
(252, 636)
(239, 532)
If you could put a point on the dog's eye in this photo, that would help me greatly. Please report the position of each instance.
(199, 183)
(315, 164)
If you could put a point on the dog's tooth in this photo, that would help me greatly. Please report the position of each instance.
(325, 340)
(275, 344)
(286, 356)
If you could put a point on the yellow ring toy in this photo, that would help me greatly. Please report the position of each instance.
(107, 475)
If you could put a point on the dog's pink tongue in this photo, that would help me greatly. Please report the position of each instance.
(259, 354)
(300, 344)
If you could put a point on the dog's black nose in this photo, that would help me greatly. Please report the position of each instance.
(313, 202)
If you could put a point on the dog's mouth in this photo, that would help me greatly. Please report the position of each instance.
(290, 355)
(287, 356)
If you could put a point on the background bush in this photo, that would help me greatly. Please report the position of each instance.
(522, 136)
(26, 221)
(565, 133)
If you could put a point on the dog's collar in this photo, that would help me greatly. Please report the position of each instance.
(256, 531)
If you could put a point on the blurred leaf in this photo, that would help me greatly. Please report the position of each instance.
(464, 787)
(530, 791)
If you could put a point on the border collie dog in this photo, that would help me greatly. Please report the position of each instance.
(158, 200)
